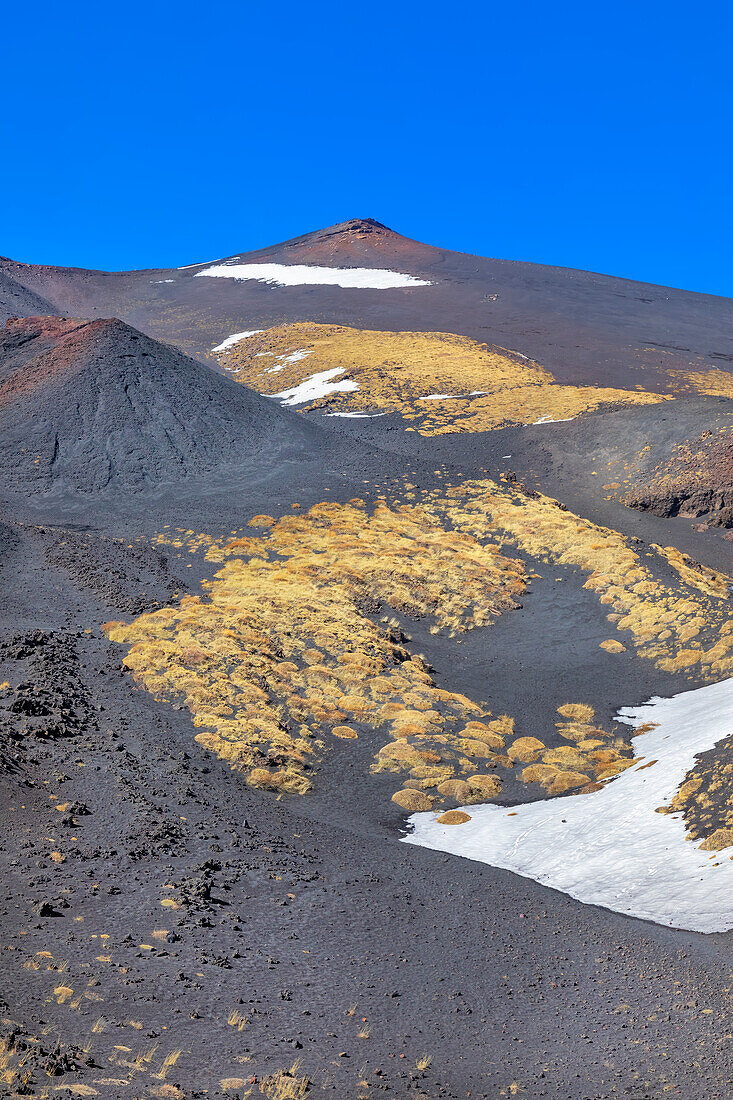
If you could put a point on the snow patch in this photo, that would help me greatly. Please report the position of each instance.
(235, 338)
(305, 274)
(549, 420)
(284, 360)
(318, 385)
(357, 415)
(611, 848)
(445, 396)
(204, 263)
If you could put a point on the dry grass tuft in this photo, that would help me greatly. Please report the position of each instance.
(483, 787)
(454, 817)
(525, 749)
(286, 1084)
(413, 801)
(577, 712)
(345, 732)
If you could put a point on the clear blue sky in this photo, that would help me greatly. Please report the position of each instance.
(585, 135)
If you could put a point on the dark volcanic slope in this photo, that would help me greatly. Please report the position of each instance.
(17, 300)
(583, 326)
(91, 405)
(671, 459)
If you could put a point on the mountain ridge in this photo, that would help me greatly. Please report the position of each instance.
(355, 227)
(585, 327)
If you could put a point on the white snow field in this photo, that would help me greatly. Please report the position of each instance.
(611, 848)
(317, 385)
(304, 274)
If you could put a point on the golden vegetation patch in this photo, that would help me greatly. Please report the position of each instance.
(443, 382)
(675, 630)
(286, 646)
(283, 648)
(706, 580)
(678, 631)
(716, 383)
(705, 798)
(594, 754)
(721, 838)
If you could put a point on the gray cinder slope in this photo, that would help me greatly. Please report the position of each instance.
(91, 405)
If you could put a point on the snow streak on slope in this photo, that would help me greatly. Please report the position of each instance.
(317, 386)
(305, 274)
(611, 848)
(235, 338)
(356, 415)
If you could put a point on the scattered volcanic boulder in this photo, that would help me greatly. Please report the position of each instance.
(95, 405)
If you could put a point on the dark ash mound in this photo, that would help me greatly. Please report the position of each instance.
(92, 405)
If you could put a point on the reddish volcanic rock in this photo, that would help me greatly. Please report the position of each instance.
(696, 481)
(36, 350)
(359, 242)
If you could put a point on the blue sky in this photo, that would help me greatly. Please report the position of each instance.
(585, 135)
